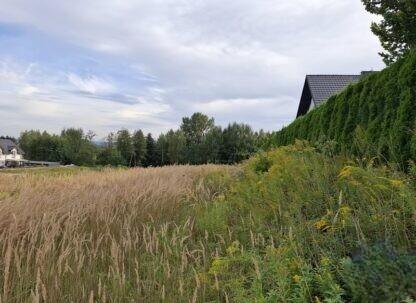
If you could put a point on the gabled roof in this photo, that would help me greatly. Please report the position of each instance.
(322, 87)
(7, 145)
(319, 88)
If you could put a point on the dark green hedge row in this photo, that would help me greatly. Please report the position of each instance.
(380, 110)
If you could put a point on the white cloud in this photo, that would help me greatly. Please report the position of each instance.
(54, 105)
(91, 84)
(29, 90)
(235, 59)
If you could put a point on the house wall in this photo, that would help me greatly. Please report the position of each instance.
(3, 158)
(12, 157)
(312, 106)
(305, 100)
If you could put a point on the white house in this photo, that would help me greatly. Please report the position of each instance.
(10, 153)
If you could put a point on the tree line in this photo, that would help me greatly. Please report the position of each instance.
(197, 141)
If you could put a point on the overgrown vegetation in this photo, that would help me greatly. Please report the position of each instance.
(379, 112)
(295, 224)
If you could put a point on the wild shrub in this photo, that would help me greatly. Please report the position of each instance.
(296, 222)
(380, 274)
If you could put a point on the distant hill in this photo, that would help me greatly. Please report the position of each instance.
(375, 117)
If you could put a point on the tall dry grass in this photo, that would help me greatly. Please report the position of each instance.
(97, 236)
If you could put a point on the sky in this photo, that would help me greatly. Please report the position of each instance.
(104, 65)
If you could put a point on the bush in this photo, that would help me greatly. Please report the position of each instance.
(381, 274)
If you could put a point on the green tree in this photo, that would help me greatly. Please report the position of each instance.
(262, 138)
(109, 155)
(195, 129)
(72, 141)
(397, 29)
(162, 150)
(139, 147)
(41, 146)
(212, 145)
(125, 146)
(238, 143)
(151, 158)
(77, 148)
(175, 146)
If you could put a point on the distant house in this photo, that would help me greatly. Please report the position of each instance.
(10, 153)
(319, 88)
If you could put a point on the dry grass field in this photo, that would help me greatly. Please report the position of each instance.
(77, 235)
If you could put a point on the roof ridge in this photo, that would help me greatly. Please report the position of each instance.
(332, 75)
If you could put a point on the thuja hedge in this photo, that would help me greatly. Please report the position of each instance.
(381, 109)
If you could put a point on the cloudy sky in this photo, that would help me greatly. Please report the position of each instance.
(110, 64)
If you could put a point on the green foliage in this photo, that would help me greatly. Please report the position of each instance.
(380, 275)
(110, 155)
(71, 147)
(213, 145)
(151, 152)
(175, 146)
(380, 110)
(41, 146)
(125, 146)
(212, 218)
(397, 29)
(262, 163)
(292, 219)
(197, 141)
(162, 150)
(195, 129)
(139, 147)
(238, 143)
(77, 148)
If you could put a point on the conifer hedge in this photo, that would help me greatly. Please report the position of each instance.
(381, 108)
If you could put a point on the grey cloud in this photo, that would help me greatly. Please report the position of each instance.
(200, 51)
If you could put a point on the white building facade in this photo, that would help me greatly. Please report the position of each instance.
(10, 154)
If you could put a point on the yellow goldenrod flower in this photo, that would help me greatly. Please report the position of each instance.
(233, 248)
(345, 211)
(322, 225)
(221, 197)
(346, 172)
(218, 266)
(325, 261)
(297, 278)
(397, 183)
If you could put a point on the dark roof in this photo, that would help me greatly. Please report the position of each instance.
(322, 87)
(319, 88)
(7, 145)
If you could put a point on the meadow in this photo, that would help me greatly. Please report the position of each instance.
(73, 235)
(296, 224)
